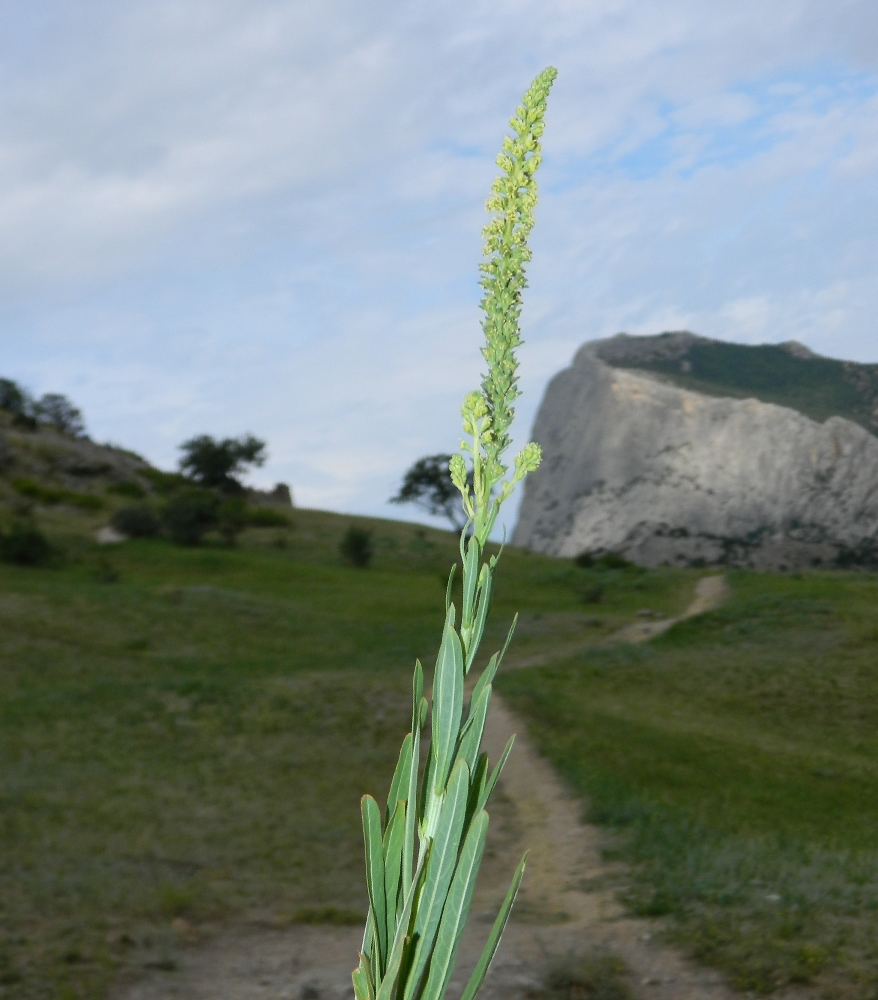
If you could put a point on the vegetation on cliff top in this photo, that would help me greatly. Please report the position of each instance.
(785, 374)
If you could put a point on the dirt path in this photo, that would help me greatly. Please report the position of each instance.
(562, 911)
(710, 592)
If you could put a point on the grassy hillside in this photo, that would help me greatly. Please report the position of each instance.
(185, 732)
(815, 386)
(736, 758)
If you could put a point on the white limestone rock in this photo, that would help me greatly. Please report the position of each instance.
(664, 475)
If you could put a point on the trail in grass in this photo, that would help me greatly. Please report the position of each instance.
(567, 907)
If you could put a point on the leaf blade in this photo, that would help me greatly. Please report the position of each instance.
(493, 942)
(375, 875)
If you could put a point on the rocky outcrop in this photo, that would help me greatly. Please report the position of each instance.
(663, 475)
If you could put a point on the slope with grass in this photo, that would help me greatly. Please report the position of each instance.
(736, 757)
(184, 734)
(786, 374)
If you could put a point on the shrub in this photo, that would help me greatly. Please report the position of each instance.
(585, 560)
(356, 546)
(136, 522)
(188, 514)
(128, 488)
(25, 545)
(52, 495)
(267, 517)
(165, 482)
(232, 519)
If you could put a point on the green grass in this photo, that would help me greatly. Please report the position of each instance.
(818, 387)
(736, 757)
(185, 733)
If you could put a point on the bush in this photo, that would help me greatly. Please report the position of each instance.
(188, 514)
(128, 488)
(267, 517)
(609, 560)
(165, 482)
(232, 519)
(52, 495)
(136, 522)
(25, 545)
(356, 546)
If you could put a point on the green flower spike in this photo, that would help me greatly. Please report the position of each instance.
(424, 849)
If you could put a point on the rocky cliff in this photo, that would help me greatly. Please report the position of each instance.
(637, 465)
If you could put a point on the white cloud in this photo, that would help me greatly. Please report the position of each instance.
(266, 215)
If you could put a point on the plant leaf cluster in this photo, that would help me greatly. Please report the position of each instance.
(423, 854)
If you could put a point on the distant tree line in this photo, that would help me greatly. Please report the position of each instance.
(51, 410)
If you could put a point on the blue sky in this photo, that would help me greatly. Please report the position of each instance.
(265, 216)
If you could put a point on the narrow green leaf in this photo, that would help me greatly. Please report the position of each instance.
(486, 678)
(399, 787)
(375, 876)
(366, 963)
(443, 860)
(490, 949)
(486, 583)
(508, 639)
(394, 961)
(447, 701)
(449, 586)
(471, 742)
(470, 579)
(411, 814)
(426, 791)
(393, 841)
(477, 786)
(417, 692)
(362, 986)
(456, 911)
(368, 934)
(495, 774)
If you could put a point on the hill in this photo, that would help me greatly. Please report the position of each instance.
(185, 732)
(786, 374)
(48, 474)
(663, 472)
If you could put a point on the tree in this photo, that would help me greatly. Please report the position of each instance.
(57, 411)
(219, 463)
(13, 398)
(16, 400)
(428, 485)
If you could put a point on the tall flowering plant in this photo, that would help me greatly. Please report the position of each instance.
(423, 850)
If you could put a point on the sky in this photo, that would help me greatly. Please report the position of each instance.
(261, 216)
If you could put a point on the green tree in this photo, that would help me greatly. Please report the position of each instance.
(218, 464)
(427, 485)
(56, 411)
